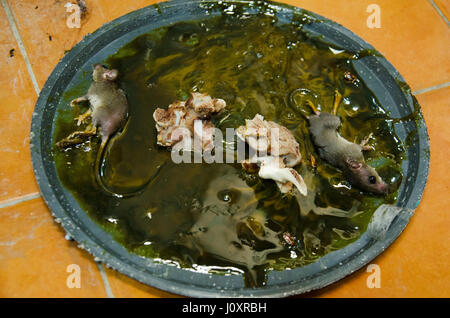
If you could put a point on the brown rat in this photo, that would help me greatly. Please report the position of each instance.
(108, 109)
(108, 103)
(343, 154)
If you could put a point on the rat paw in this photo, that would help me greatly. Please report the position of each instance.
(82, 118)
(364, 145)
(78, 100)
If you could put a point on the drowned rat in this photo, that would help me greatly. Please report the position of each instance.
(108, 109)
(342, 153)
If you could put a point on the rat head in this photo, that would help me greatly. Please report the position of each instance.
(103, 74)
(366, 178)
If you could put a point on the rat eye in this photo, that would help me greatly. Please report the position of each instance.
(372, 179)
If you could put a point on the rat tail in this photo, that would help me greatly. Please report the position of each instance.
(313, 107)
(99, 172)
(337, 101)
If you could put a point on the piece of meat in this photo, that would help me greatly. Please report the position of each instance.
(177, 123)
(204, 131)
(272, 138)
(277, 152)
(204, 105)
(275, 169)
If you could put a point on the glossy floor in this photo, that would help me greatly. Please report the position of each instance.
(34, 255)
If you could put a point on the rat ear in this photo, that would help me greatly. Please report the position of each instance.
(110, 75)
(354, 164)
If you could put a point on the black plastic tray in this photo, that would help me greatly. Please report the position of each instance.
(377, 73)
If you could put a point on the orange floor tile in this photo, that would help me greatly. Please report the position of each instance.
(34, 254)
(17, 97)
(49, 22)
(35, 257)
(416, 264)
(413, 37)
(444, 6)
(125, 287)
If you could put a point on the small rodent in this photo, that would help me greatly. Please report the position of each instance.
(108, 109)
(343, 154)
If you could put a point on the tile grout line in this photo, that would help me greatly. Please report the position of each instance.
(105, 280)
(29, 197)
(15, 31)
(17, 200)
(13, 25)
(432, 88)
(439, 12)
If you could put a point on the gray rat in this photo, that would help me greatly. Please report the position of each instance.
(343, 154)
(108, 103)
(108, 109)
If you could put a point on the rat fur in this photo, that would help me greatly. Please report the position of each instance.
(343, 154)
(108, 109)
